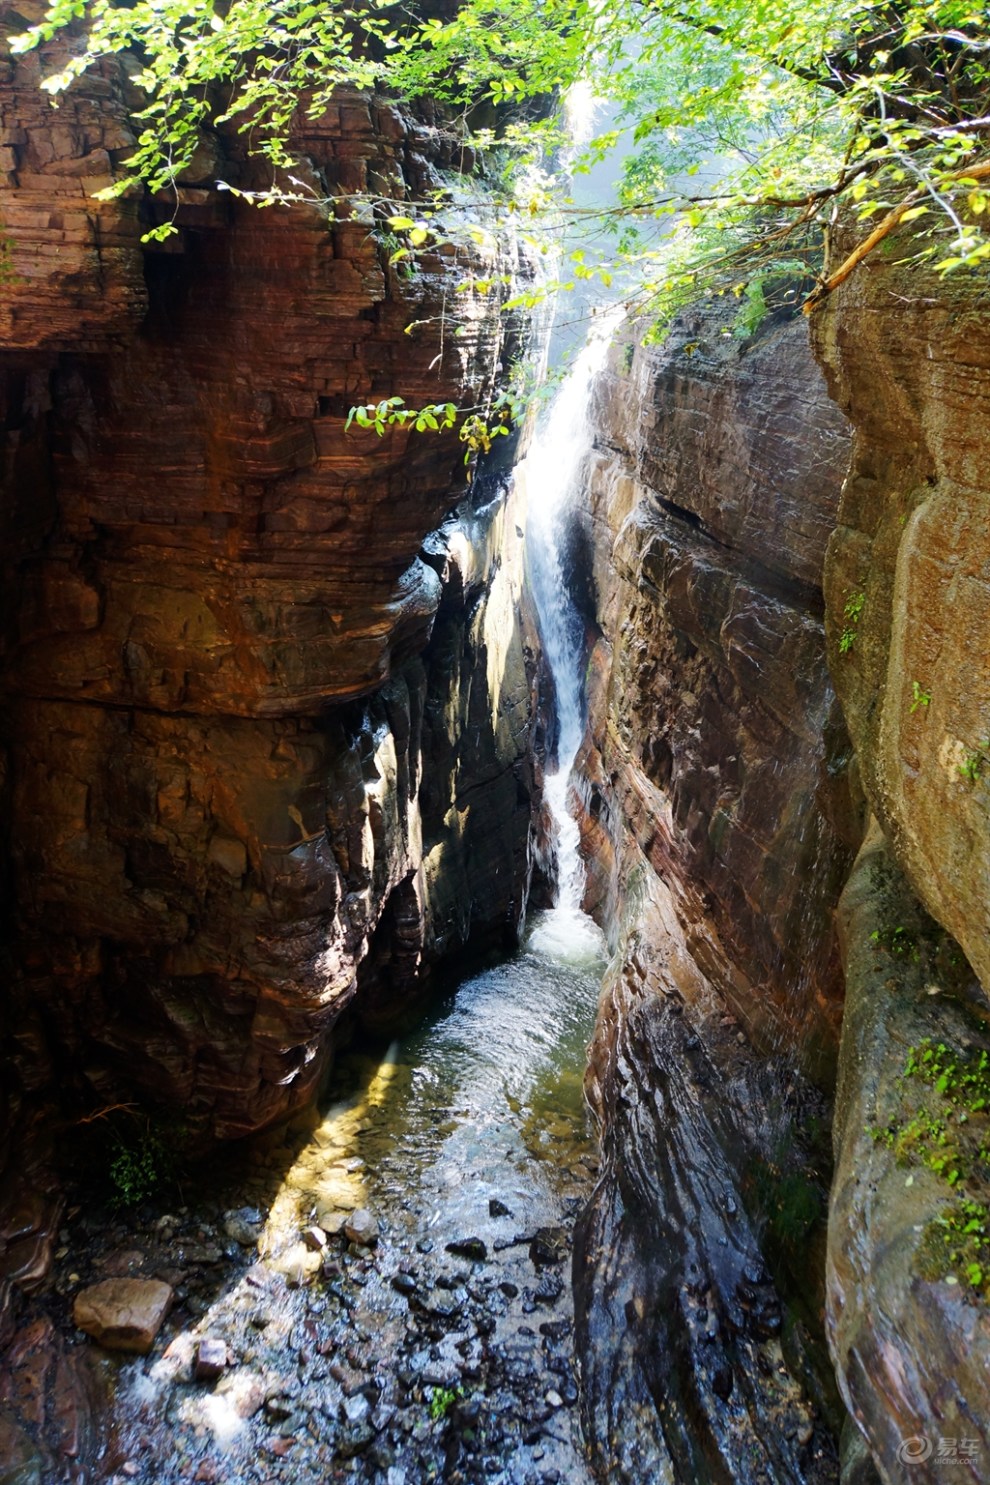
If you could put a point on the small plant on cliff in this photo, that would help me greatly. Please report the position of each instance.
(973, 762)
(142, 1161)
(970, 767)
(920, 696)
(950, 1136)
(851, 613)
(897, 941)
(442, 1400)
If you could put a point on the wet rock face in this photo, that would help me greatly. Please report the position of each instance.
(203, 577)
(908, 355)
(692, 1366)
(712, 712)
(717, 826)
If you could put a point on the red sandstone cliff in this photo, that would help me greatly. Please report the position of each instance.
(261, 747)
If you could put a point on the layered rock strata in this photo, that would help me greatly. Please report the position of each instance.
(260, 743)
(906, 578)
(718, 829)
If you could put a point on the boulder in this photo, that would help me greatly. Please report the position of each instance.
(123, 1314)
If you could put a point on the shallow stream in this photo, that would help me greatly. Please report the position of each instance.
(394, 1359)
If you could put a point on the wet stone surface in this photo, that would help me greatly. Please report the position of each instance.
(380, 1292)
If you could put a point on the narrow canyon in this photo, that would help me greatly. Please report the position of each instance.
(495, 930)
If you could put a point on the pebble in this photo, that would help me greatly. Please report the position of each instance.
(332, 1221)
(356, 1408)
(211, 1359)
(470, 1247)
(244, 1226)
(361, 1228)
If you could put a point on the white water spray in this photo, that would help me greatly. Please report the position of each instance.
(553, 468)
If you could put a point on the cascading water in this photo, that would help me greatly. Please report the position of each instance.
(552, 470)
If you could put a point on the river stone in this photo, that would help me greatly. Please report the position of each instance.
(470, 1247)
(211, 1359)
(331, 1221)
(123, 1314)
(244, 1226)
(298, 1264)
(244, 1391)
(362, 1228)
(549, 1246)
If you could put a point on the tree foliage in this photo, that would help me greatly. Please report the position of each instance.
(751, 121)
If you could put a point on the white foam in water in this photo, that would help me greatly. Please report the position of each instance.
(554, 466)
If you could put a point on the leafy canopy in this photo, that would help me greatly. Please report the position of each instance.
(747, 122)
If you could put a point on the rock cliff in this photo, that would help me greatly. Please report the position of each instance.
(906, 577)
(718, 830)
(724, 794)
(265, 738)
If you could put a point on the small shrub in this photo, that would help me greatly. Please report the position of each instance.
(141, 1163)
(950, 1136)
(442, 1400)
(851, 613)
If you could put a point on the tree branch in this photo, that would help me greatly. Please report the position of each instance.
(884, 229)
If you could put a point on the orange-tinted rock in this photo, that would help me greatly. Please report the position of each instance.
(906, 581)
(908, 353)
(123, 1314)
(909, 1332)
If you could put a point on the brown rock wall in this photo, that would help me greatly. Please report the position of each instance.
(712, 702)
(910, 1335)
(906, 355)
(909, 359)
(260, 743)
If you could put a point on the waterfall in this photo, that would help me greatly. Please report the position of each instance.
(552, 469)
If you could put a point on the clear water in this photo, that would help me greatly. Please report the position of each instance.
(483, 1103)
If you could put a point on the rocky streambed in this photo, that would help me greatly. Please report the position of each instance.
(379, 1291)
